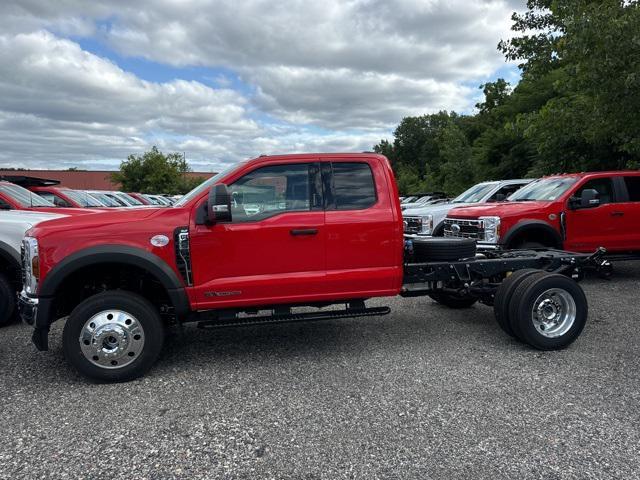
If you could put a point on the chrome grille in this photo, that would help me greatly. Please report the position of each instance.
(412, 224)
(454, 227)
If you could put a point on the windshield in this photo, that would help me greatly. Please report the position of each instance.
(108, 201)
(83, 198)
(475, 194)
(134, 202)
(545, 189)
(24, 197)
(196, 192)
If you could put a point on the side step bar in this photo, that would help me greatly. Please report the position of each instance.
(294, 317)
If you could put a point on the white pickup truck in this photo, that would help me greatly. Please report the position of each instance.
(428, 220)
(13, 225)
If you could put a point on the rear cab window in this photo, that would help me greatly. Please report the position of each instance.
(633, 187)
(352, 188)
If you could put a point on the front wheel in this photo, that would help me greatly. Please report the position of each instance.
(113, 336)
(548, 311)
(453, 301)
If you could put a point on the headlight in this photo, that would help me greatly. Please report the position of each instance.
(30, 265)
(491, 227)
(427, 224)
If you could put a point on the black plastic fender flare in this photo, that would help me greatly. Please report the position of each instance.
(118, 254)
(530, 225)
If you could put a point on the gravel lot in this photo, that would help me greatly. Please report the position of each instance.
(425, 392)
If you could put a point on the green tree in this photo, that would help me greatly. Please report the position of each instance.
(155, 172)
(591, 51)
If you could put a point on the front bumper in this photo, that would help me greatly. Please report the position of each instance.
(35, 312)
(28, 308)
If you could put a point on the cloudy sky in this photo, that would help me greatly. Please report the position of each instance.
(84, 84)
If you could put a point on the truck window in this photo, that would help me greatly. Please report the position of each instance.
(269, 191)
(604, 187)
(633, 188)
(353, 186)
(57, 201)
(506, 191)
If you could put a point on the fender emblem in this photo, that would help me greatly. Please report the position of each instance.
(159, 241)
(222, 294)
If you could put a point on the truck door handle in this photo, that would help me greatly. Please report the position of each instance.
(304, 231)
(617, 214)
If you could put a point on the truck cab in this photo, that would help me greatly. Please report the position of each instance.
(578, 212)
(283, 230)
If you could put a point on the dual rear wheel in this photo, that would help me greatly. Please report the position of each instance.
(545, 310)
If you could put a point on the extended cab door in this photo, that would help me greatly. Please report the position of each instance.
(604, 225)
(273, 249)
(363, 254)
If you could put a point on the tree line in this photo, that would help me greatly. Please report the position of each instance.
(575, 108)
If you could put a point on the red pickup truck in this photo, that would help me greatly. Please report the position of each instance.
(271, 234)
(578, 212)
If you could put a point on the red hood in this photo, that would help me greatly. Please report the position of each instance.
(501, 209)
(100, 220)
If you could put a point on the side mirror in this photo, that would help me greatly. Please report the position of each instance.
(589, 198)
(219, 204)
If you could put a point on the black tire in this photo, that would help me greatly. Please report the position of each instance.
(453, 301)
(443, 249)
(7, 301)
(523, 303)
(504, 294)
(135, 306)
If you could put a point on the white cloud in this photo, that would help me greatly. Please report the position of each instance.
(353, 68)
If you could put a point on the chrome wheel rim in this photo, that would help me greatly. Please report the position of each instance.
(112, 339)
(554, 313)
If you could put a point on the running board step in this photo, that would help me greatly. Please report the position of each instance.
(294, 317)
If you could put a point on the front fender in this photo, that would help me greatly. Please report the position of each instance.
(523, 227)
(116, 254)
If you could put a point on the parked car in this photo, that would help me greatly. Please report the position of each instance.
(68, 198)
(104, 199)
(577, 212)
(428, 220)
(327, 230)
(120, 198)
(13, 226)
(142, 198)
(428, 199)
(160, 200)
(15, 197)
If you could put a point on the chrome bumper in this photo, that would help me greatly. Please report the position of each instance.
(28, 308)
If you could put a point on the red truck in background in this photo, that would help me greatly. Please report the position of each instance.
(577, 212)
(271, 235)
(16, 197)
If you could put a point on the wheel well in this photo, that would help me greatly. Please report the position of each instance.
(533, 234)
(90, 280)
(11, 270)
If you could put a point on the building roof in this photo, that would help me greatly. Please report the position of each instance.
(83, 180)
